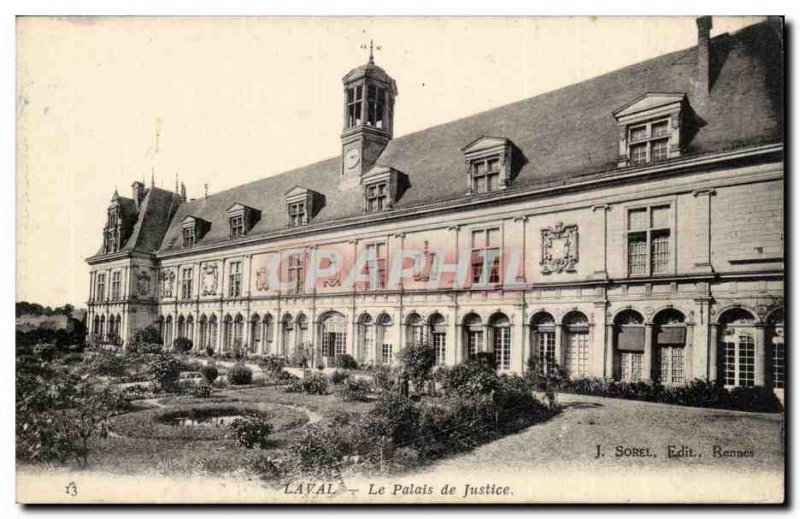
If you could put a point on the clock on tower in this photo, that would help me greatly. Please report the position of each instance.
(369, 94)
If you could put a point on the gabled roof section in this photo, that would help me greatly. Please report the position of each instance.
(191, 219)
(647, 102)
(483, 143)
(571, 132)
(238, 207)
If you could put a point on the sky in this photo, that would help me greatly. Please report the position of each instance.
(237, 99)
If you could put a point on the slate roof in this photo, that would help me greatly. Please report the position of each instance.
(561, 135)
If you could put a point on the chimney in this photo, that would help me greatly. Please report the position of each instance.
(704, 55)
(138, 193)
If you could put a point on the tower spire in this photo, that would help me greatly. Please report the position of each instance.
(371, 57)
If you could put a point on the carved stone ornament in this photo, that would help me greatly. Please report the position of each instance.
(143, 283)
(262, 280)
(167, 279)
(208, 281)
(559, 248)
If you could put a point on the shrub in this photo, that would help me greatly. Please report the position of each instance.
(418, 360)
(346, 361)
(476, 376)
(45, 350)
(252, 430)
(151, 348)
(182, 344)
(238, 350)
(382, 377)
(147, 335)
(164, 371)
(354, 390)
(209, 351)
(339, 377)
(201, 390)
(107, 364)
(311, 384)
(210, 373)
(399, 413)
(240, 374)
(273, 366)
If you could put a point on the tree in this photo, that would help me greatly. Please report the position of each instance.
(418, 359)
(147, 335)
(182, 344)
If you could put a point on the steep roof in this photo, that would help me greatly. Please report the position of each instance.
(561, 135)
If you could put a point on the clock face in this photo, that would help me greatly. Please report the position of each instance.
(352, 158)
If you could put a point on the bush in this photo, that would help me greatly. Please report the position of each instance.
(201, 390)
(147, 335)
(476, 376)
(252, 430)
(353, 390)
(346, 361)
(311, 384)
(273, 366)
(400, 415)
(382, 377)
(107, 364)
(210, 373)
(182, 345)
(338, 377)
(164, 371)
(418, 360)
(209, 351)
(240, 375)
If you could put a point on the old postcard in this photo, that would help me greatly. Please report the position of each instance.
(400, 260)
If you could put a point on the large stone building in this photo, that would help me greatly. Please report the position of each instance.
(629, 226)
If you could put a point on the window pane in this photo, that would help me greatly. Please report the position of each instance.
(778, 363)
(493, 237)
(637, 253)
(638, 153)
(729, 362)
(638, 133)
(660, 217)
(494, 165)
(492, 182)
(659, 150)
(747, 357)
(660, 252)
(637, 219)
(660, 129)
(478, 239)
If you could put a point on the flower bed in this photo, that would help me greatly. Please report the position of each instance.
(156, 423)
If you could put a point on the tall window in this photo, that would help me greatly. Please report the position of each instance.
(212, 331)
(297, 214)
(115, 284)
(414, 329)
(101, 287)
(235, 279)
(544, 340)
(354, 96)
(334, 335)
(376, 100)
(485, 175)
(367, 333)
(576, 327)
(630, 366)
(296, 271)
(648, 142)
(188, 236)
(777, 355)
(237, 227)
(670, 360)
(737, 348)
(186, 283)
(227, 333)
(377, 252)
(473, 335)
(377, 197)
(203, 332)
(386, 338)
(649, 240)
(439, 338)
(255, 333)
(629, 332)
(670, 340)
(501, 342)
(486, 256)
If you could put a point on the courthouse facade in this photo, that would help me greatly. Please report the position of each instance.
(629, 227)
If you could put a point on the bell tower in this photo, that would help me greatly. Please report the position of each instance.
(369, 94)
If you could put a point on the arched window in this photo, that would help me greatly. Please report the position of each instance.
(168, 332)
(414, 329)
(670, 343)
(287, 341)
(103, 326)
(181, 327)
(213, 331)
(269, 333)
(473, 335)
(190, 327)
(238, 331)
(366, 334)
(255, 333)
(576, 344)
(777, 349)
(227, 333)
(202, 338)
(302, 331)
(738, 347)
(629, 345)
(333, 334)
(501, 340)
(438, 332)
(385, 336)
(96, 324)
(543, 340)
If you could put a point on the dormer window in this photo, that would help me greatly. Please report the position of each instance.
(237, 227)
(488, 164)
(652, 128)
(383, 187)
(302, 205)
(241, 219)
(193, 230)
(377, 197)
